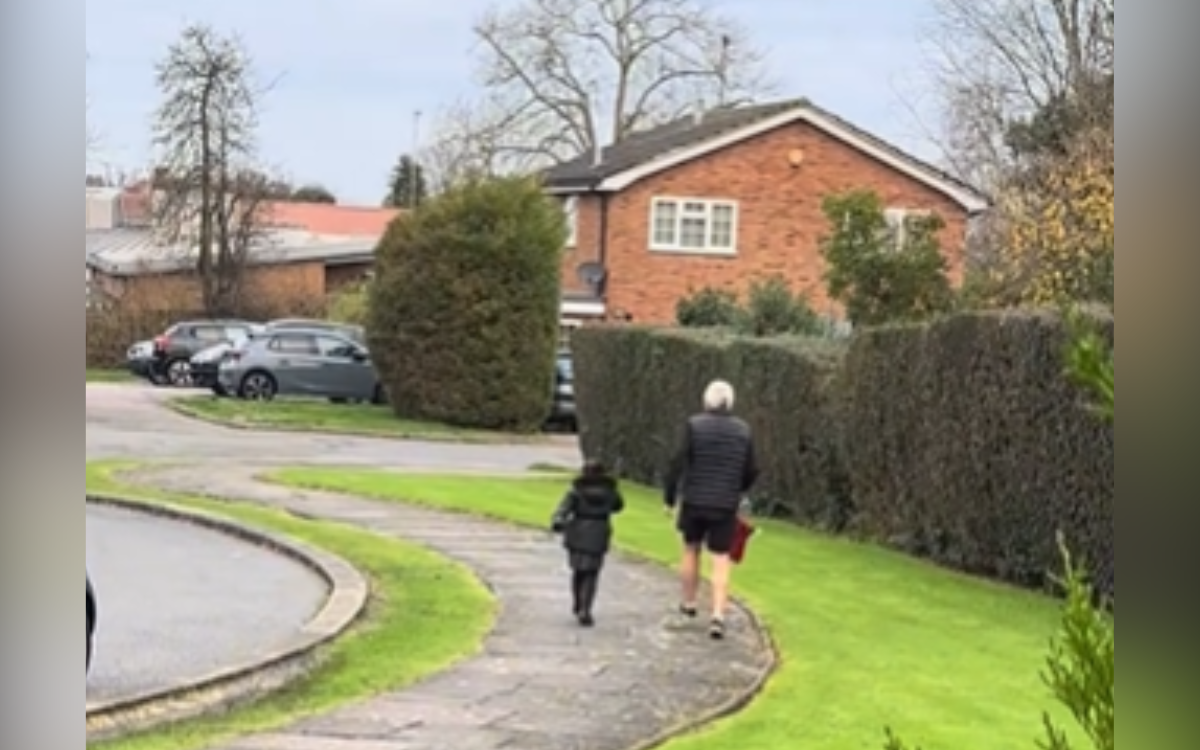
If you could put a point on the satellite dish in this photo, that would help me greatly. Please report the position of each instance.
(593, 275)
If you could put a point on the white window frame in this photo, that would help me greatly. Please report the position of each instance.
(897, 221)
(709, 204)
(570, 206)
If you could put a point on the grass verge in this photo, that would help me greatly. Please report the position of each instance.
(304, 415)
(426, 613)
(107, 376)
(870, 639)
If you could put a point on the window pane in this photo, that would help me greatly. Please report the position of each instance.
(330, 347)
(294, 344)
(571, 214)
(693, 234)
(666, 216)
(897, 224)
(722, 227)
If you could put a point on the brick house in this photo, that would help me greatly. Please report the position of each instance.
(727, 197)
(308, 251)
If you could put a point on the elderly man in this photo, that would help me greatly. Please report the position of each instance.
(714, 468)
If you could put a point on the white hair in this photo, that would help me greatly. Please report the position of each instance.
(718, 396)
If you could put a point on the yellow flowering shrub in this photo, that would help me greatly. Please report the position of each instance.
(1059, 228)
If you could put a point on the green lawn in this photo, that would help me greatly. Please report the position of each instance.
(426, 613)
(108, 376)
(869, 638)
(303, 415)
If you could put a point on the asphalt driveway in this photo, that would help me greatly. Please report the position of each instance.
(178, 601)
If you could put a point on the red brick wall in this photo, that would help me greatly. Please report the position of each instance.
(780, 220)
(282, 286)
(587, 246)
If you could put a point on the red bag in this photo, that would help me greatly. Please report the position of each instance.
(741, 540)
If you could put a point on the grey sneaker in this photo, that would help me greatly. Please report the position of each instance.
(716, 629)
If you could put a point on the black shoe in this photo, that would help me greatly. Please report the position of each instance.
(688, 611)
(716, 629)
(586, 620)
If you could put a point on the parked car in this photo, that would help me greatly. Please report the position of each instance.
(174, 349)
(139, 358)
(350, 331)
(302, 362)
(206, 364)
(91, 622)
(562, 408)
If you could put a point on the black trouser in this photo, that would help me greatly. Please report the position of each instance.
(584, 586)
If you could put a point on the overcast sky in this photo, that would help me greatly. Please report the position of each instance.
(352, 73)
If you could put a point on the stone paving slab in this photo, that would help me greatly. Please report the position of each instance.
(540, 682)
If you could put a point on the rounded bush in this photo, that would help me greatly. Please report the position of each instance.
(463, 315)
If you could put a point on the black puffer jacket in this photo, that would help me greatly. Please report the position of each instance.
(584, 517)
(715, 464)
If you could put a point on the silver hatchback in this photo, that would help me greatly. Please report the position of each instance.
(298, 362)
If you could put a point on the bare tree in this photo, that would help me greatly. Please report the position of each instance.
(998, 62)
(563, 77)
(468, 142)
(210, 195)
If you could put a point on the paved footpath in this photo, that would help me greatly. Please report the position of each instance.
(540, 683)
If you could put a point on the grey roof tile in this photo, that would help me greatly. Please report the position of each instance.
(126, 252)
(584, 173)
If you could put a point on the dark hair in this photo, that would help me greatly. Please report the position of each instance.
(593, 469)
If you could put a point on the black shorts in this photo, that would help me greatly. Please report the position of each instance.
(714, 529)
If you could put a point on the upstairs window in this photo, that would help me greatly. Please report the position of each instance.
(694, 226)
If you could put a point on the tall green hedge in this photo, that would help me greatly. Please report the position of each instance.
(963, 441)
(966, 442)
(636, 386)
(462, 317)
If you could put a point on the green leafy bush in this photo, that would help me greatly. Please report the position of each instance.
(636, 386)
(1091, 363)
(709, 308)
(351, 304)
(966, 444)
(463, 315)
(884, 274)
(1081, 671)
(771, 309)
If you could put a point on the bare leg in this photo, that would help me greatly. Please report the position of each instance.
(689, 575)
(721, 570)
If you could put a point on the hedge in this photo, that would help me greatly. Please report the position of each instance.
(636, 386)
(962, 441)
(966, 443)
(108, 334)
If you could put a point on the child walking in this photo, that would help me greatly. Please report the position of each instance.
(584, 518)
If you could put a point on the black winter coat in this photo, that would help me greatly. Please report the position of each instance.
(584, 517)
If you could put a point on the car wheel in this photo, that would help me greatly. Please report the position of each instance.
(258, 386)
(179, 373)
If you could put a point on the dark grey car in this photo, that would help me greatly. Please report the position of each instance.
(562, 406)
(171, 361)
(301, 362)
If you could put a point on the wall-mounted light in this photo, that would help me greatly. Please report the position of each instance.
(796, 158)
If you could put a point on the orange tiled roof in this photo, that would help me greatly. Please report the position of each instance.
(317, 218)
(320, 218)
